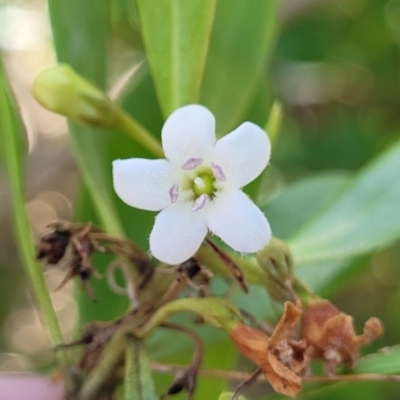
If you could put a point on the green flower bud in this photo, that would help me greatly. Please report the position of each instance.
(282, 284)
(61, 90)
(276, 261)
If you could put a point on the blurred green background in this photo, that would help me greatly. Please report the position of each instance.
(335, 68)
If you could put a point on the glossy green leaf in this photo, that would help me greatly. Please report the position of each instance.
(362, 219)
(176, 36)
(385, 361)
(243, 36)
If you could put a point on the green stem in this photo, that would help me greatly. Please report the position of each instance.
(100, 374)
(34, 270)
(13, 155)
(138, 378)
(127, 124)
(217, 312)
(249, 266)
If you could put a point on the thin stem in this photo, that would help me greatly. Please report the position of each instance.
(103, 370)
(34, 270)
(186, 378)
(246, 383)
(353, 377)
(13, 157)
(239, 375)
(138, 380)
(198, 343)
(127, 124)
(253, 273)
(215, 311)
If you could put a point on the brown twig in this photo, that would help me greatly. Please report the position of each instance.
(246, 383)
(230, 264)
(185, 378)
(239, 375)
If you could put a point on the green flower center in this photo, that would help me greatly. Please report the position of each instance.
(204, 184)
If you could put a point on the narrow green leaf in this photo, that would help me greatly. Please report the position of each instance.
(328, 277)
(302, 200)
(386, 361)
(364, 218)
(81, 40)
(243, 36)
(176, 36)
(138, 376)
(13, 147)
(80, 32)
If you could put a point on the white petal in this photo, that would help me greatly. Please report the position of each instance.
(238, 222)
(143, 183)
(177, 233)
(188, 132)
(242, 154)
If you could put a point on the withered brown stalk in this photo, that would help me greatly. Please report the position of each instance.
(246, 383)
(240, 375)
(185, 379)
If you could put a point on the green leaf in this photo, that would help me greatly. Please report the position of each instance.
(364, 218)
(176, 36)
(334, 245)
(328, 277)
(386, 361)
(243, 37)
(81, 40)
(80, 36)
(291, 208)
(13, 147)
(138, 379)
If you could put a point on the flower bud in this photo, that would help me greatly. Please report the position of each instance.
(61, 90)
(276, 261)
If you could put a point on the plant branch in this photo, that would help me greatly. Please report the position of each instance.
(239, 375)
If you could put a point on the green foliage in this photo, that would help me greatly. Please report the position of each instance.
(386, 361)
(243, 38)
(13, 148)
(363, 218)
(176, 47)
(220, 53)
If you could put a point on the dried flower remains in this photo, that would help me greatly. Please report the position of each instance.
(319, 331)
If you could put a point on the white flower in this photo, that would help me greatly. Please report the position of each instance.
(197, 186)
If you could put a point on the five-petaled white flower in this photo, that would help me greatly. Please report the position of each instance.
(197, 186)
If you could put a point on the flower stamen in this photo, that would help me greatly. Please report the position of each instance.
(191, 163)
(174, 193)
(201, 185)
(218, 173)
(200, 202)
